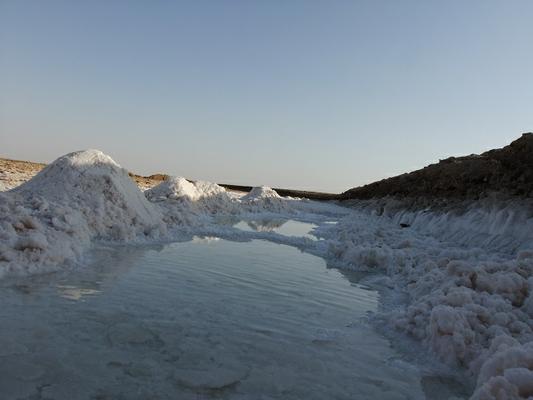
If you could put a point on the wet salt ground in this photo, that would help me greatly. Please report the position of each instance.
(200, 319)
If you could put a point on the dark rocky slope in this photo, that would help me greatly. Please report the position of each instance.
(507, 171)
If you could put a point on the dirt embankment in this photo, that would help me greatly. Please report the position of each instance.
(507, 171)
(147, 182)
(13, 172)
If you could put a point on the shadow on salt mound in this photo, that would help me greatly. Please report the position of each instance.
(92, 183)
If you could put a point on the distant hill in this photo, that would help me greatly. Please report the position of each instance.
(508, 170)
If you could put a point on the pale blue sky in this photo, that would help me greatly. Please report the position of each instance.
(320, 95)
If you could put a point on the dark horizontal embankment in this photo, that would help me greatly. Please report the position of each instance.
(508, 170)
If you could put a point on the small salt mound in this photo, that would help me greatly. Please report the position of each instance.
(209, 189)
(80, 197)
(175, 187)
(263, 198)
(261, 193)
(198, 198)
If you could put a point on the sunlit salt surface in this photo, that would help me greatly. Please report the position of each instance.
(202, 319)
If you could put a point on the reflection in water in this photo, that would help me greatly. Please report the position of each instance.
(266, 225)
(75, 293)
(205, 239)
(287, 227)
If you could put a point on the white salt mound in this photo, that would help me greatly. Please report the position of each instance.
(260, 193)
(263, 198)
(174, 187)
(91, 182)
(53, 217)
(191, 197)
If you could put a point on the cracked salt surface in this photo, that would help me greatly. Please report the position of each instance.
(198, 320)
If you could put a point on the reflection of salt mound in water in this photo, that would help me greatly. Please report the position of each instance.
(54, 216)
(263, 198)
(199, 196)
(266, 225)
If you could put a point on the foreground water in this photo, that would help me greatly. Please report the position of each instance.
(201, 319)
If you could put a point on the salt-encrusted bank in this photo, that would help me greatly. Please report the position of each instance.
(467, 271)
(470, 304)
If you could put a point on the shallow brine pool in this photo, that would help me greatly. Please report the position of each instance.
(201, 319)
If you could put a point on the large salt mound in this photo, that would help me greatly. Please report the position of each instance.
(80, 197)
(93, 183)
(263, 198)
(187, 197)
